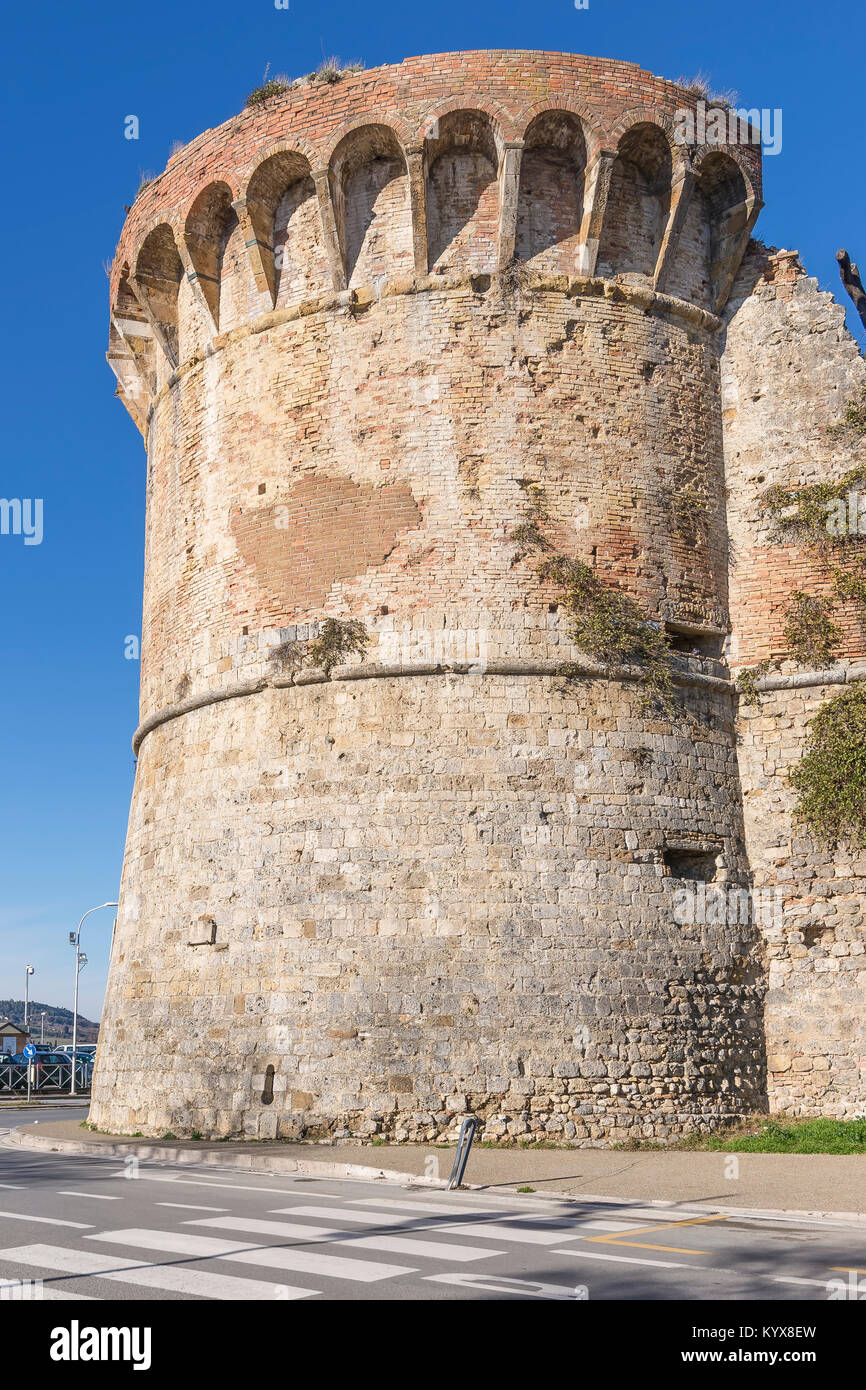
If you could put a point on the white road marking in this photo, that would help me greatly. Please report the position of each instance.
(375, 1218)
(47, 1220)
(627, 1260)
(818, 1283)
(508, 1233)
(359, 1218)
(394, 1245)
(198, 1282)
(18, 1186)
(301, 1261)
(97, 1196)
(436, 1208)
(495, 1283)
(29, 1294)
(200, 1182)
(604, 1226)
(188, 1206)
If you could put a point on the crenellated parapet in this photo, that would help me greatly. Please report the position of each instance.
(556, 163)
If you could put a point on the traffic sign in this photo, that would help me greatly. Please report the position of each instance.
(29, 1050)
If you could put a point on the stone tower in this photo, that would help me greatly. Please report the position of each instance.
(366, 329)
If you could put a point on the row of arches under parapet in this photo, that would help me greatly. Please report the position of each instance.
(461, 199)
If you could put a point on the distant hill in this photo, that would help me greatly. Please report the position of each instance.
(58, 1022)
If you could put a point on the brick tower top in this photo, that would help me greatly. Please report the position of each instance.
(354, 322)
(598, 119)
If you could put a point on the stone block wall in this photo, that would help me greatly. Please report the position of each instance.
(431, 894)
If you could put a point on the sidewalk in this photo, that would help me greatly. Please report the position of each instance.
(813, 1184)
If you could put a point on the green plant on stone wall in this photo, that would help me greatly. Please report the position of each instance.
(803, 513)
(825, 518)
(603, 621)
(690, 510)
(830, 779)
(336, 641)
(608, 625)
(851, 588)
(810, 633)
(810, 639)
(747, 681)
(853, 418)
(275, 87)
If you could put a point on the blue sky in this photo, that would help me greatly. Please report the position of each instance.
(71, 74)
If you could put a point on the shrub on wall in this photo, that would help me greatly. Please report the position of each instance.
(830, 778)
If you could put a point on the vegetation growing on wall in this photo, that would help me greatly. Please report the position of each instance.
(829, 520)
(810, 636)
(853, 418)
(337, 640)
(603, 621)
(747, 681)
(810, 633)
(826, 518)
(830, 778)
(806, 514)
(329, 71)
(690, 511)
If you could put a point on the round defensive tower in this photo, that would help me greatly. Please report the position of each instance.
(388, 861)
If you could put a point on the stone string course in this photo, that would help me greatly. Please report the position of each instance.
(359, 328)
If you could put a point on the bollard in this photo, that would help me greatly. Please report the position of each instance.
(464, 1144)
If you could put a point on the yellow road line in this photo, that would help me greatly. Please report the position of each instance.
(619, 1237)
(846, 1269)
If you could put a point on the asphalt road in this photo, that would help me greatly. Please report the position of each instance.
(98, 1228)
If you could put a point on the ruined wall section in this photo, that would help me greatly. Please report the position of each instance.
(789, 367)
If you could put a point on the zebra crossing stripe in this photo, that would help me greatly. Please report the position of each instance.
(433, 1208)
(502, 1284)
(300, 1261)
(392, 1245)
(358, 1218)
(22, 1291)
(521, 1235)
(46, 1220)
(198, 1283)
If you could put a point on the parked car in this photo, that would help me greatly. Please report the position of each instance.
(42, 1059)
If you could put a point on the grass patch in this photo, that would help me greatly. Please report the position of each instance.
(768, 1136)
(798, 1137)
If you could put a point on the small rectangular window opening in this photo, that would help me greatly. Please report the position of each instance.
(697, 865)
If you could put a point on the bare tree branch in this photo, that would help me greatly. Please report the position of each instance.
(853, 284)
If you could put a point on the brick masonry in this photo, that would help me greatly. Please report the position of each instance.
(355, 326)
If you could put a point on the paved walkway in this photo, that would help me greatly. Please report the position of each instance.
(818, 1184)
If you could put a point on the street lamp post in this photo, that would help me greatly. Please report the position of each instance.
(75, 940)
(42, 1026)
(27, 973)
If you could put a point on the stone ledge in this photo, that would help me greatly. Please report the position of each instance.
(371, 671)
(802, 680)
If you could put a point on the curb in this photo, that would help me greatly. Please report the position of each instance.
(248, 1163)
(793, 1214)
(264, 1165)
